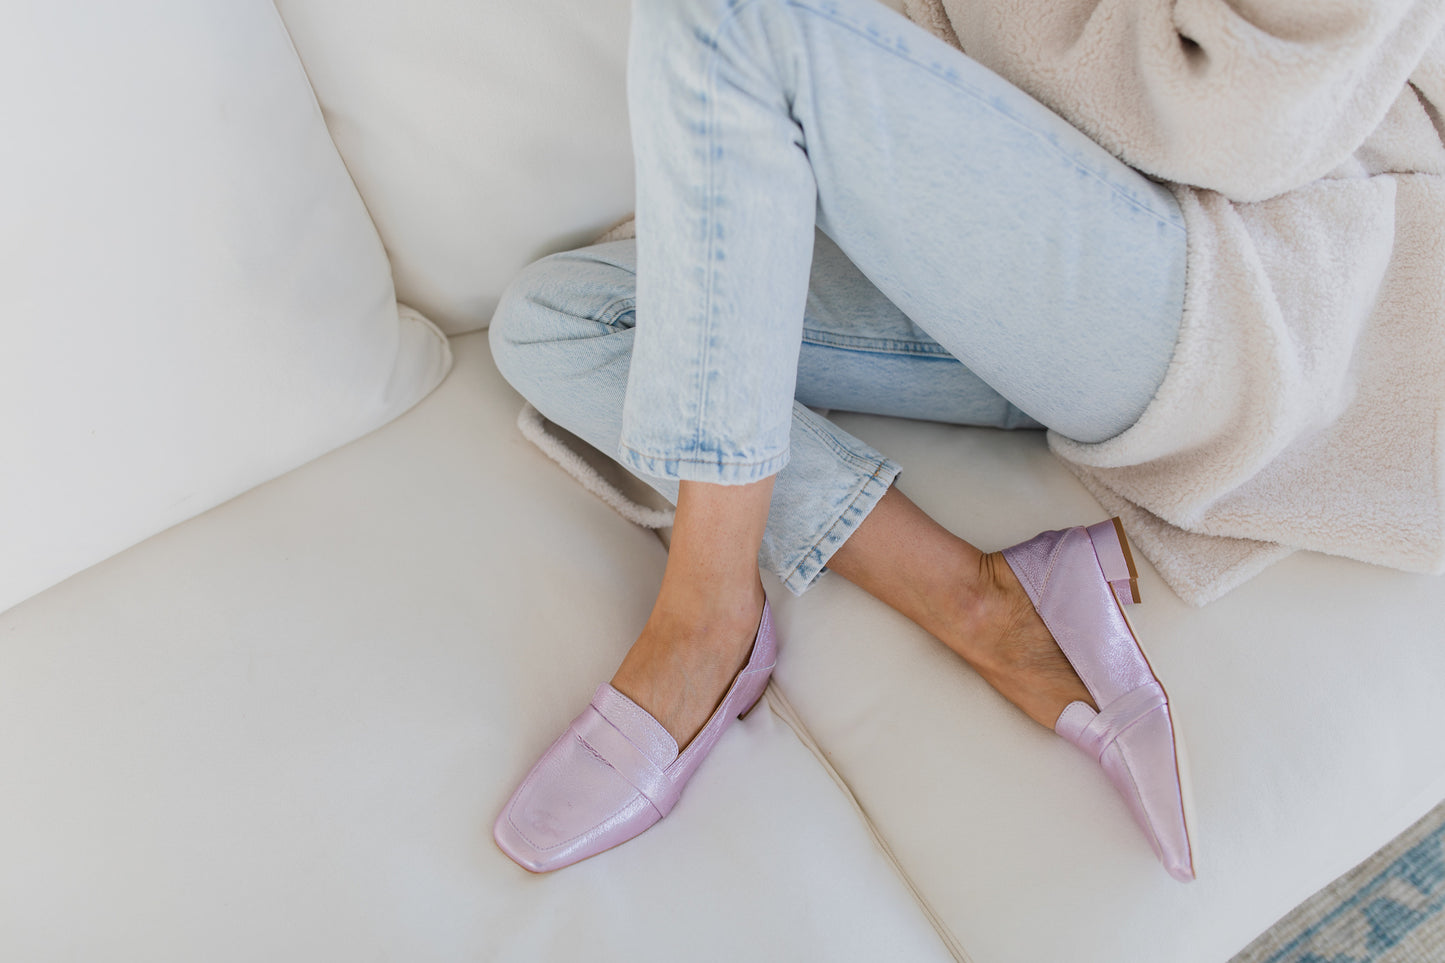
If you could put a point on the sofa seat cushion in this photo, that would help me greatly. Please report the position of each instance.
(282, 731)
(1309, 700)
(195, 300)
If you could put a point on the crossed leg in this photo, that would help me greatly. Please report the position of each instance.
(701, 629)
(1040, 265)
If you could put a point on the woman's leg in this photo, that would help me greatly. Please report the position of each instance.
(1051, 270)
(700, 629)
(563, 337)
(1045, 265)
(969, 600)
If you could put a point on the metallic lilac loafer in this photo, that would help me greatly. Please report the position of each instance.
(616, 771)
(1079, 579)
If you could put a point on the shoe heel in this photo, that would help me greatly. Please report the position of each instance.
(1115, 560)
(754, 704)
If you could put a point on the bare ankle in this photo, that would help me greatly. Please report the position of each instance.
(708, 610)
(985, 608)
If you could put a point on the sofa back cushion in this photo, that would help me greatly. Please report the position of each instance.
(482, 135)
(194, 298)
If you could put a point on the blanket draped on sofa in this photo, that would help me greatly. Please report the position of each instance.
(1305, 405)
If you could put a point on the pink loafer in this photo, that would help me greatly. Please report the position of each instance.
(1079, 579)
(616, 771)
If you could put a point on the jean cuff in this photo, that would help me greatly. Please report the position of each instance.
(813, 564)
(698, 466)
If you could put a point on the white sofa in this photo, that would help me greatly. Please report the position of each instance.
(261, 696)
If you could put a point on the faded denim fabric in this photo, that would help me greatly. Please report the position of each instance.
(977, 261)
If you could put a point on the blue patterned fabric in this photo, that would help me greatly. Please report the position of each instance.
(1380, 915)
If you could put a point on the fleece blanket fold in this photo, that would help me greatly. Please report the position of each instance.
(1305, 405)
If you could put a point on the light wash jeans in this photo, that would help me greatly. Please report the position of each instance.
(977, 261)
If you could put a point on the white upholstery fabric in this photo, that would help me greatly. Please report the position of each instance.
(194, 299)
(1310, 701)
(281, 731)
(482, 135)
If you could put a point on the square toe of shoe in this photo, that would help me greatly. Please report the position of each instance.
(570, 798)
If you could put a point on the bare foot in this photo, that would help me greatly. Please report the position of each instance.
(1004, 639)
(969, 600)
(684, 661)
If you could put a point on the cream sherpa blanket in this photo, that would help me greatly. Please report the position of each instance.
(1305, 406)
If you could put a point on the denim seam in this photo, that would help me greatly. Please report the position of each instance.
(844, 453)
(709, 227)
(613, 312)
(953, 81)
(767, 462)
(714, 44)
(901, 346)
(798, 573)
